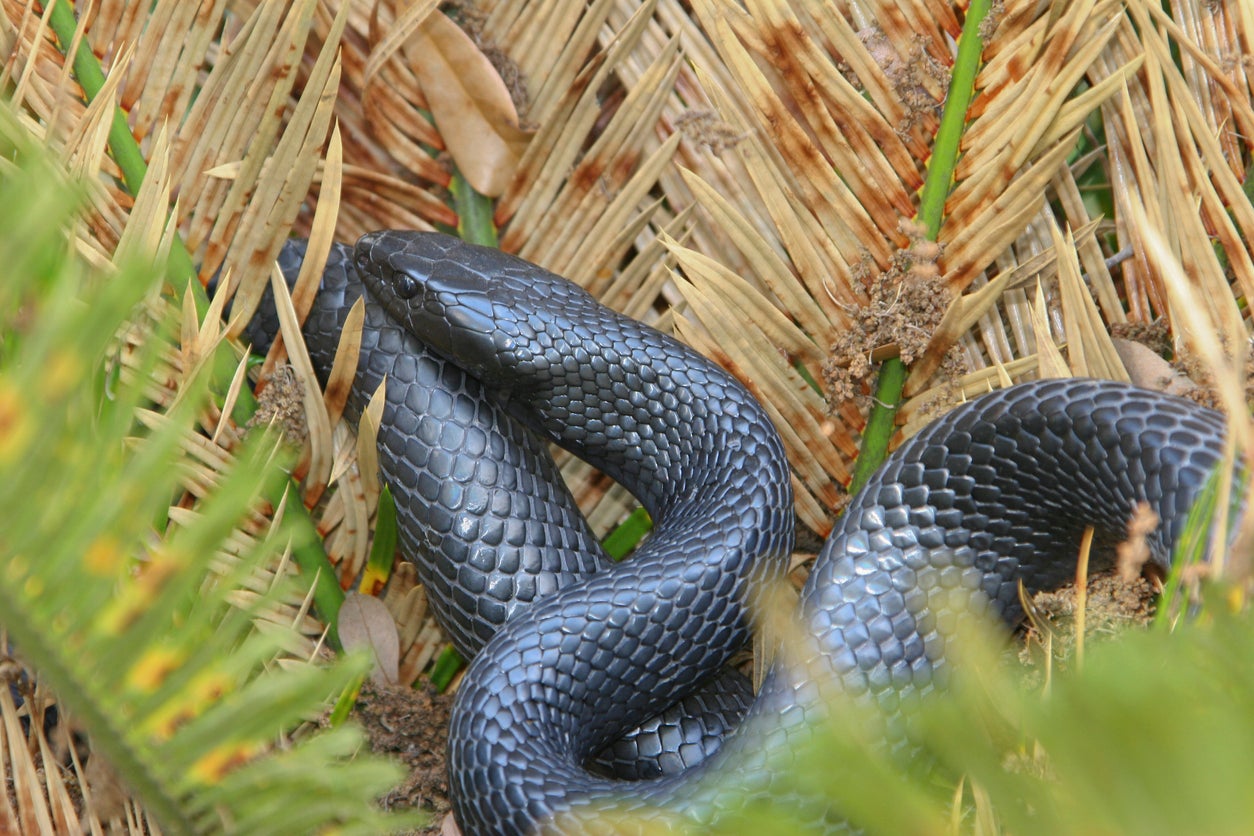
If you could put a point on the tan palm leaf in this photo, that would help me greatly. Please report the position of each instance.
(746, 173)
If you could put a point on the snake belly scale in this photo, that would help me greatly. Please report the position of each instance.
(994, 492)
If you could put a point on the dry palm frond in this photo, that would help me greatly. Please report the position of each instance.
(756, 164)
(831, 114)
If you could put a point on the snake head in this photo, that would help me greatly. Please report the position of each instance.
(443, 291)
(493, 314)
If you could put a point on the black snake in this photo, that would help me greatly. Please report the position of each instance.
(489, 357)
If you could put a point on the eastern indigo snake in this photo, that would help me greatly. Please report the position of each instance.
(489, 357)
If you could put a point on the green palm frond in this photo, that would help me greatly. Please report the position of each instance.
(769, 179)
(143, 617)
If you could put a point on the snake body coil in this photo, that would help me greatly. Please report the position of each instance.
(996, 491)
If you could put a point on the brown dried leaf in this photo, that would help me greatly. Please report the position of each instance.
(972, 241)
(611, 180)
(252, 219)
(751, 303)
(547, 182)
(319, 447)
(364, 622)
(840, 211)
(1149, 370)
(344, 367)
(58, 795)
(469, 102)
(575, 27)
(322, 231)
(923, 408)
(766, 263)
(368, 444)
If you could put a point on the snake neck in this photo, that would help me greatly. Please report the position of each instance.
(474, 491)
(671, 427)
(569, 675)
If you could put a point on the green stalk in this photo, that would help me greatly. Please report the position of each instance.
(940, 176)
(945, 147)
(474, 213)
(880, 423)
(310, 556)
(619, 542)
(446, 666)
(122, 144)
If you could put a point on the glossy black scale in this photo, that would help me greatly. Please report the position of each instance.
(481, 508)
(994, 491)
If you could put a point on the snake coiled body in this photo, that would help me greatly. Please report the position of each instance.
(995, 492)
(481, 508)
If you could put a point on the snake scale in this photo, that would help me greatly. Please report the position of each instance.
(488, 358)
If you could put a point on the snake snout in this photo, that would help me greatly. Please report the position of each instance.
(447, 303)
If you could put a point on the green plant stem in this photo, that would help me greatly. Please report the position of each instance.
(446, 666)
(474, 213)
(880, 423)
(619, 542)
(311, 557)
(122, 144)
(936, 187)
(953, 122)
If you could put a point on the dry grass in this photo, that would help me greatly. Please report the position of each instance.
(747, 174)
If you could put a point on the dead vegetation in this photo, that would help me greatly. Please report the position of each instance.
(745, 174)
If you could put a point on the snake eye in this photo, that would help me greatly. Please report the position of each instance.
(405, 285)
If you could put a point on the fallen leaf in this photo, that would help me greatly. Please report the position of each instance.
(1147, 369)
(364, 621)
(469, 102)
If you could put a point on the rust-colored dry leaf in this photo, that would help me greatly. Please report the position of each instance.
(765, 262)
(84, 154)
(368, 444)
(613, 177)
(33, 815)
(605, 239)
(322, 231)
(976, 238)
(750, 304)
(548, 168)
(319, 446)
(246, 222)
(550, 43)
(469, 102)
(1211, 329)
(64, 815)
(365, 623)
